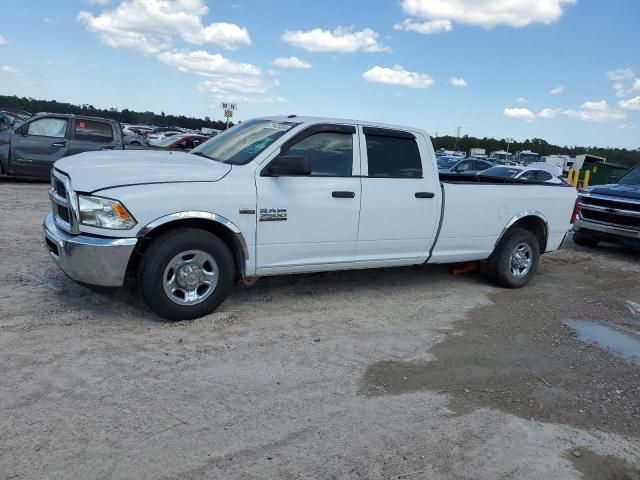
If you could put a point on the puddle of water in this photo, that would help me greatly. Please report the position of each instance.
(619, 342)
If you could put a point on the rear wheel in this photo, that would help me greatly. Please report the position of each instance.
(584, 239)
(515, 260)
(186, 274)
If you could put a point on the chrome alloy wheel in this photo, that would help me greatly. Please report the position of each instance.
(190, 277)
(521, 260)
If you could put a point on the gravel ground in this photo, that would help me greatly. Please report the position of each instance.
(396, 373)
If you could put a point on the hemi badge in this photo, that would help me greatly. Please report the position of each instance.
(247, 211)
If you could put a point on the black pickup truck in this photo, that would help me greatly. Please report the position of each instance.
(610, 213)
(29, 149)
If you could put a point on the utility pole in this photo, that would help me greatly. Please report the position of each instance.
(458, 138)
(509, 141)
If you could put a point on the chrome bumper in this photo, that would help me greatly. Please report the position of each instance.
(606, 228)
(93, 260)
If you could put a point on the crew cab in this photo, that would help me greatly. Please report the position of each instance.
(283, 195)
(610, 213)
(29, 149)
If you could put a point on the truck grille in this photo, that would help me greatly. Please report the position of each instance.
(606, 202)
(62, 202)
(610, 218)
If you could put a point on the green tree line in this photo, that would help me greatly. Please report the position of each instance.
(448, 142)
(125, 115)
(622, 156)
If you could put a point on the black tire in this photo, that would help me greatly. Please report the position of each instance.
(498, 265)
(135, 143)
(165, 248)
(584, 239)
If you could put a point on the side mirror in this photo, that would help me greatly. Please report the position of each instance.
(288, 166)
(613, 179)
(22, 130)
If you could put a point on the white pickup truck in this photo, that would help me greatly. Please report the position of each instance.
(284, 195)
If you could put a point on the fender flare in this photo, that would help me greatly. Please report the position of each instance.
(198, 215)
(520, 216)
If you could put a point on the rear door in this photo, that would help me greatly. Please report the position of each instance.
(91, 135)
(44, 141)
(400, 208)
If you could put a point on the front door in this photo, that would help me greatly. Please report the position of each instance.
(308, 221)
(42, 142)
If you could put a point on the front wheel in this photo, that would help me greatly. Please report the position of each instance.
(186, 274)
(515, 260)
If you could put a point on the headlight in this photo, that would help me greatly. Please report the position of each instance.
(104, 213)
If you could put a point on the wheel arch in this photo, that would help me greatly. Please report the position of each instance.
(218, 225)
(531, 220)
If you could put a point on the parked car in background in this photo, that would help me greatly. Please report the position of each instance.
(159, 137)
(134, 139)
(531, 174)
(30, 148)
(462, 166)
(183, 142)
(610, 213)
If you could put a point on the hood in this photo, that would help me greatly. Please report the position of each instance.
(616, 190)
(91, 171)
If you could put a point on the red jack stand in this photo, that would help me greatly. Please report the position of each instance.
(464, 267)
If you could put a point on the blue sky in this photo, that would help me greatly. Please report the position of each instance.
(390, 61)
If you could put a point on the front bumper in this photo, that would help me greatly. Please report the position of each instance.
(88, 259)
(608, 229)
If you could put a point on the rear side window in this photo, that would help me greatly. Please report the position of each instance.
(543, 176)
(93, 131)
(392, 156)
(330, 153)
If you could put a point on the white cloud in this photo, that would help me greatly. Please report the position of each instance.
(427, 28)
(341, 40)
(594, 115)
(397, 76)
(631, 104)
(2, 40)
(549, 113)
(226, 80)
(488, 13)
(636, 84)
(521, 100)
(620, 74)
(291, 62)
(457, 81)
(233, 88)
(600, 106)
(207, 64)
(99, 2)
(557, 90)
(519, 114)
(9, 70)
(149, 26)
(619, 89)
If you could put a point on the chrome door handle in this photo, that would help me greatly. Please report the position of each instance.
(59, 144)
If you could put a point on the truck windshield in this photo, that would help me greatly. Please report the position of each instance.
(242, 143)
(631, 178)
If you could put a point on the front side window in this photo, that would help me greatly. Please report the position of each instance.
(530, 175)
(244, 142)
(330, 153)
(48, 127)
(93, 131)
(393, 157)
(464, 166)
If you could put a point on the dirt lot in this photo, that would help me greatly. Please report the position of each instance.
(399, 373)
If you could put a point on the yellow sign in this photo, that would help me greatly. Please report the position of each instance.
(228, 113)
